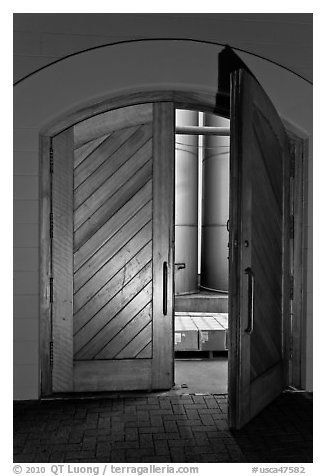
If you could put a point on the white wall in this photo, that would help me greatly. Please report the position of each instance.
(26, 264)
(82, 79)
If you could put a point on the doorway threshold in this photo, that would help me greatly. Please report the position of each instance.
(176, 390)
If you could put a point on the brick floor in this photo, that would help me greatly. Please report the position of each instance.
(162, 429)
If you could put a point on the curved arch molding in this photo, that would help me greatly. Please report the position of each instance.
(98, 74)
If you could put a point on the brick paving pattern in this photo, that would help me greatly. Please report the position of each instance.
(160, 429)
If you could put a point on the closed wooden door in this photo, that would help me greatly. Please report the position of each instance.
(112, 244)
(259, 251)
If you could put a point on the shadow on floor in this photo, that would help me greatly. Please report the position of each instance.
(282, 433)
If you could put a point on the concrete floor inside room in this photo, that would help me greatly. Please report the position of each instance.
(201, 372)
(202, 375)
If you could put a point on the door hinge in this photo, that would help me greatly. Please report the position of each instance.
(291, 288)
(51, 290)
(51, 354)
(51, 158)
(292, 162)
(291, 231)
(291, 349)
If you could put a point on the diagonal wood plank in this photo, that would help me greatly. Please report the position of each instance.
(140, 346)
(141, 239)
(271, 269)
(147, 351)
(112, 256)
(82, 152)
(113, 224)
(264, 191)
(112, 185)
(87, 264)
(100, 154)
(267, 142)
(267, 249)
(105, 326)
(127, 335)
(112, 307)
(111, 206)
(113, 285)
(112, 120)
(268, 325)
(136, 147)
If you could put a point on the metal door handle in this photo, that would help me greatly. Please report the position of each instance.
(165, 288)
(180, 265)
(251, 298)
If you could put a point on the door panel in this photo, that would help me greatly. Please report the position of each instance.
(259, 253)
(107, 191)
(62, 262)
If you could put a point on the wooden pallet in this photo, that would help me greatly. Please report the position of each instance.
(198, 331)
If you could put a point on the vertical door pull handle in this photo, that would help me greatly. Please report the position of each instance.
(165, 288)
(251, 298)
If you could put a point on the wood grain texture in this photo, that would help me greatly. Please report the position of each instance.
(92, 338)
(266, 388)
(98, 196)
(109, 281)
(108, 256)
(131, 339)
(62, 376)
(124, 259)
(140, 347)
(110, 207)
(113, 245)
(100, 124)
(82, 152)
(260, 217)
(163, 244)
(112, 307)
(88, 260)
(45, 267)
(115, 163)
(299, 150)
(147, 351)
(97, 153)
(267, 246)
(112, 375)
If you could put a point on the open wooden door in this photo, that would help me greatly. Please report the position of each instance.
(259, 251)
(112, 245)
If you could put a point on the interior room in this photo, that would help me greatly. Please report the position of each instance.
(201, 252)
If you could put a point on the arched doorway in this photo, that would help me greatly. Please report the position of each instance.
(87, 366)
(170, 84)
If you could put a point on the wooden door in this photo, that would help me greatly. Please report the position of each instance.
(112, 246)
(259, 251)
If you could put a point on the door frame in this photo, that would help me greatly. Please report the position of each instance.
(193, 100)
(299, 151)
